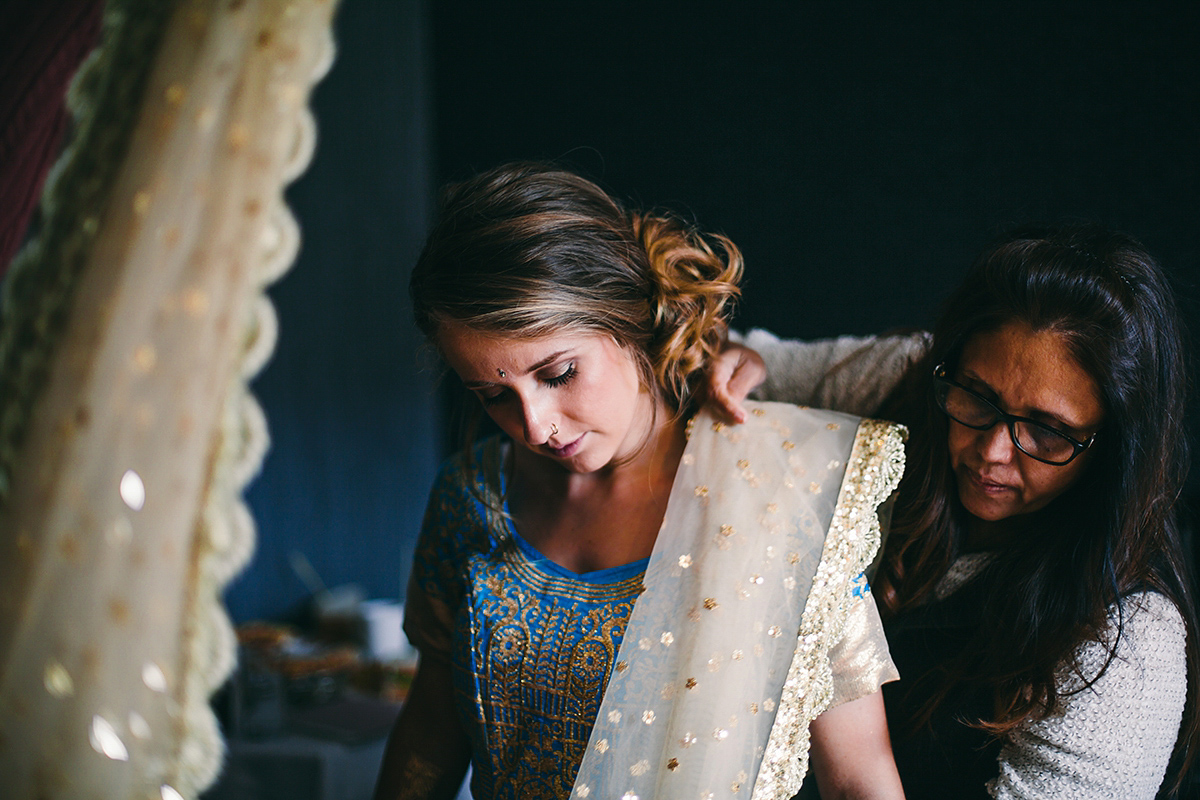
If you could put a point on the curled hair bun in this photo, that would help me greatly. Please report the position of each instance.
(694, 288)
(532, 250)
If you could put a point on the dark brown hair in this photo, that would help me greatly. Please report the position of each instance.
(1114, 532)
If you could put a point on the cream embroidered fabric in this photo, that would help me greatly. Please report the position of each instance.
(860, 661)
(134, 321)
(725, 661)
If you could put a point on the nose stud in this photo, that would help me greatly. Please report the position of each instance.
(503, 374)
(553, 429)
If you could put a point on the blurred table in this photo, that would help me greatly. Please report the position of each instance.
(330, 751)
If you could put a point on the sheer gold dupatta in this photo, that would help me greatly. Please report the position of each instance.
(131, 327)
(725, 659)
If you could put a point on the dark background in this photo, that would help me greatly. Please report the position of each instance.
(859, 153)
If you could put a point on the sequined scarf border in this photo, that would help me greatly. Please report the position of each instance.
(874, 470)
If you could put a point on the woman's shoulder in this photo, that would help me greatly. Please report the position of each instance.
(1150, 619)
(1147, 638)
(468, 493)
(799, 434)
(789, 417)
(469, 472)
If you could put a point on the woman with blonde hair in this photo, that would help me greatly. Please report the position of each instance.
(619, 596)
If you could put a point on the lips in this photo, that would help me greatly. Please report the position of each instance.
(567, 450)
(984, 485)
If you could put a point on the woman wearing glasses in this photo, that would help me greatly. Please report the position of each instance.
(1033, 585)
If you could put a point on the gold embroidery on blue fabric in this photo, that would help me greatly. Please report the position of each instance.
(540, 653)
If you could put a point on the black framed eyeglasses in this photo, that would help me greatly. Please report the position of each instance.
(1033, 438)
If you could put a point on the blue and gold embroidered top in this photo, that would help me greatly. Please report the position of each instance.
(531, 644)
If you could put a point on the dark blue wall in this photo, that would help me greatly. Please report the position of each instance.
(860, 152)
(351, 410)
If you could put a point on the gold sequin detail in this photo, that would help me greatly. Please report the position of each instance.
(622, 666)
(743, 463)
(602, 746)
(873, 470)
(144, 358)
(673, 764)
(688, 740)
(758, 412)
(239, 136)
(648, 717)
(701, 491)
(727, 530)
(69, 546)
(640, 768)
(57, 680)
(690, 683)
(789, 445)
(709, 603)
(685, 560)
(667, 638)
(141, 202)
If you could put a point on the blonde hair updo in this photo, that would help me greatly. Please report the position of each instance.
(528, 250)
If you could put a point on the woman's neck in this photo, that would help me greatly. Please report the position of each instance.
(985, 535)
(603, 518)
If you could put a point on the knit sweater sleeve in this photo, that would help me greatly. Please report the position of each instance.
(853, 374)
(1114, 739)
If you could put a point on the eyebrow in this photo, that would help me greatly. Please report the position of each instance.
(532, 368)
(1036, 414)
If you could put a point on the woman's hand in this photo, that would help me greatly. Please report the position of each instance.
(735, 372)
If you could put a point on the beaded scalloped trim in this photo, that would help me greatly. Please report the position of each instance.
(106, 100)
(872, 474)
(39, 287)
